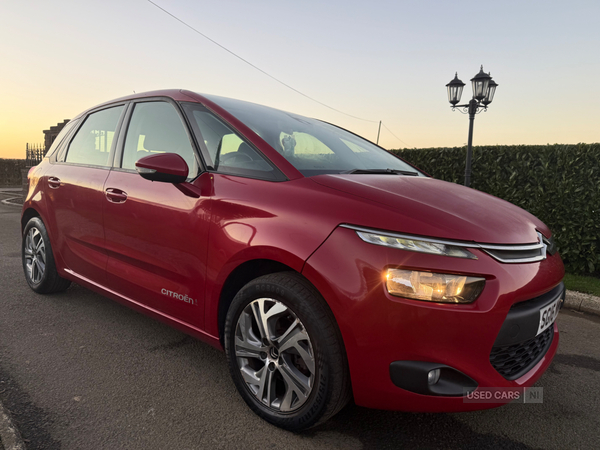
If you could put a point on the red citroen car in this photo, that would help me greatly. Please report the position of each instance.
(327, 268)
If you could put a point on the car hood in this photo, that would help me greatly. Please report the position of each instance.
(436, 208)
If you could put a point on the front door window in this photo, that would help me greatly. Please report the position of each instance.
(156, 127)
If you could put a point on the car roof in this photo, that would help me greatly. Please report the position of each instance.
(188, 96)
(175, 94)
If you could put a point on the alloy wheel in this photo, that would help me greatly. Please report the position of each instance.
(35, 255)
(274, 355)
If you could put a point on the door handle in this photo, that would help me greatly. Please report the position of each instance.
(116, 195)
(54, 182)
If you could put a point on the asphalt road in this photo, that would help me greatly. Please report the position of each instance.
(79, 371)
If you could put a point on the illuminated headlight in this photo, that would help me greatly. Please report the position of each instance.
(433, 287)
(416, 245)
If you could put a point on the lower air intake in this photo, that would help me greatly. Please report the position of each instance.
(514, 361)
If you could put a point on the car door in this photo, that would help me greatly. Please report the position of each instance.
(156, 235)
(75, 194)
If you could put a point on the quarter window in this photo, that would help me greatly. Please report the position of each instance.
(61, 136)
(156, 127)
(225, 150)
(93, 141)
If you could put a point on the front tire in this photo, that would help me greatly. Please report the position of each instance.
(38, 260)
(285, 352)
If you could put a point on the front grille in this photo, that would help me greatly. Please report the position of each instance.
(516, 254)
(514, 361)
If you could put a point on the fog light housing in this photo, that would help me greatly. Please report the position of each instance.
(433, 287)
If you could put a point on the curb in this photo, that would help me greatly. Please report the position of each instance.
(10, 439)
(587, 303)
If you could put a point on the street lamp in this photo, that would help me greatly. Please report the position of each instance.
(484, 89)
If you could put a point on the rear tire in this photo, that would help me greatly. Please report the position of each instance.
(285, 352)
(38, 260)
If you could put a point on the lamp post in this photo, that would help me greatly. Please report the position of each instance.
(483, 94)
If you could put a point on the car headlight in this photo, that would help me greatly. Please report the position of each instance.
(416, 245)
(433, 287)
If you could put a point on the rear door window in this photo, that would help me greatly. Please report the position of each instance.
(93, 142)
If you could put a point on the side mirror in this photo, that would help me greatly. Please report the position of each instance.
(165, 167)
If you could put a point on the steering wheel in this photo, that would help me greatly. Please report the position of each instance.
(235, 157)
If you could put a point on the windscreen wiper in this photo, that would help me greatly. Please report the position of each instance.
(383, 171)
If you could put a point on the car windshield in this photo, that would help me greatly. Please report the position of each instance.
(312, 146)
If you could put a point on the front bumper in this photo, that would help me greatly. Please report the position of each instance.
(379, 329)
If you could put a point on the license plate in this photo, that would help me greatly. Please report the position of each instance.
(548, 315)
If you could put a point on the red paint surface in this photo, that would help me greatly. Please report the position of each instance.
(169, 163)
(379, 328)
(150, 238)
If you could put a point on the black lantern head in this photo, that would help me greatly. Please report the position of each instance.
(455, 88)
(480, 84)
(490, 92)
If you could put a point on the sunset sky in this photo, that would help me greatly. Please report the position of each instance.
(378, 60)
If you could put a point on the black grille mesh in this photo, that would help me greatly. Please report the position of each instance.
(514, 361)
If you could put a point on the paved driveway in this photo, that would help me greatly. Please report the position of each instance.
(80, 371)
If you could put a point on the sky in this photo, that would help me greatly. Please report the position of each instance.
(376, 60)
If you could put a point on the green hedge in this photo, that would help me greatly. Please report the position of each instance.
(560, 184)
(10, 171)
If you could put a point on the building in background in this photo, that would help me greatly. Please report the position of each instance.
(50, 135)
(36, 152)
